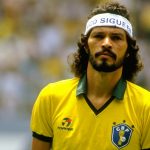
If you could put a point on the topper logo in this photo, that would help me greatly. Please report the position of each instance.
(115, 22)
(112, 21)
(92, 23)
(129, 29)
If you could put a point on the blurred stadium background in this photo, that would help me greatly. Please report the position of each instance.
(35, 38)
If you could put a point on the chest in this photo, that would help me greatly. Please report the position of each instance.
(78, 126)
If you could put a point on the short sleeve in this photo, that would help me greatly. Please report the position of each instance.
(145, 139)
(41, 115)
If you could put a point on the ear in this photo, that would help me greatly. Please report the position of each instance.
(86, 48)
(127, 55)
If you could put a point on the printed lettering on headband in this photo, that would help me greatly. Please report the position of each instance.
(108, 19)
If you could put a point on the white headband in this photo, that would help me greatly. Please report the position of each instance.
(108, 19)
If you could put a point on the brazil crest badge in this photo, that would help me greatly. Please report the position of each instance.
(121, 135)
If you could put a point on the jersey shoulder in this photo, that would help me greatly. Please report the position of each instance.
(60, 87)
(138, 92)
(137, 88)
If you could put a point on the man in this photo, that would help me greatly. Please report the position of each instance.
(100, 108)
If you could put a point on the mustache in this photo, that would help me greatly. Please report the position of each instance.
(106, 52)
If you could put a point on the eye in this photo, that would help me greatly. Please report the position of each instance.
(99, 36)
(116, 37)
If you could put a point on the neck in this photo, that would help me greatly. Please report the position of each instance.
(101, 84)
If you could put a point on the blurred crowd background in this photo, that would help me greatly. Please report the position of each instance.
(36, 37)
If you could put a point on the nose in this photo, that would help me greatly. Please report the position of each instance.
(107, 43)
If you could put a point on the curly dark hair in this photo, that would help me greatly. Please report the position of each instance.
(132, 63)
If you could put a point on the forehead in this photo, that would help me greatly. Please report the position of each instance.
(111, 30)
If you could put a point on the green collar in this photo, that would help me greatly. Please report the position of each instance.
(118, 91)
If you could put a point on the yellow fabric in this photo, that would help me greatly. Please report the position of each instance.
(73, 125)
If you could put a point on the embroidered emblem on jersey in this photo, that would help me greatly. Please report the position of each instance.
(121, 135)
(66, 124)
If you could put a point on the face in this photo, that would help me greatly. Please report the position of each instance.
(107, 48)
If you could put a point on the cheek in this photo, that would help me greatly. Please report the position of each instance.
(125, 50)
(93, 46)
(122, 49)
(90, 44)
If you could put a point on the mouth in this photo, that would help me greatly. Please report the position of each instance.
(105, 54)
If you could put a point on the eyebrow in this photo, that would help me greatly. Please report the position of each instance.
(103, 32)
(118, 34)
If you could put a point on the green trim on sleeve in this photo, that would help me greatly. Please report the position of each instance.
(42, 137)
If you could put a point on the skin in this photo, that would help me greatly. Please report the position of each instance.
(40, 145)
(100, 91)
(101, 38)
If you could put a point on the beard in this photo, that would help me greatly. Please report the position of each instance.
(103, 65)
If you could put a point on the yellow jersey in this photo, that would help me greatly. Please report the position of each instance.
(64, 115)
